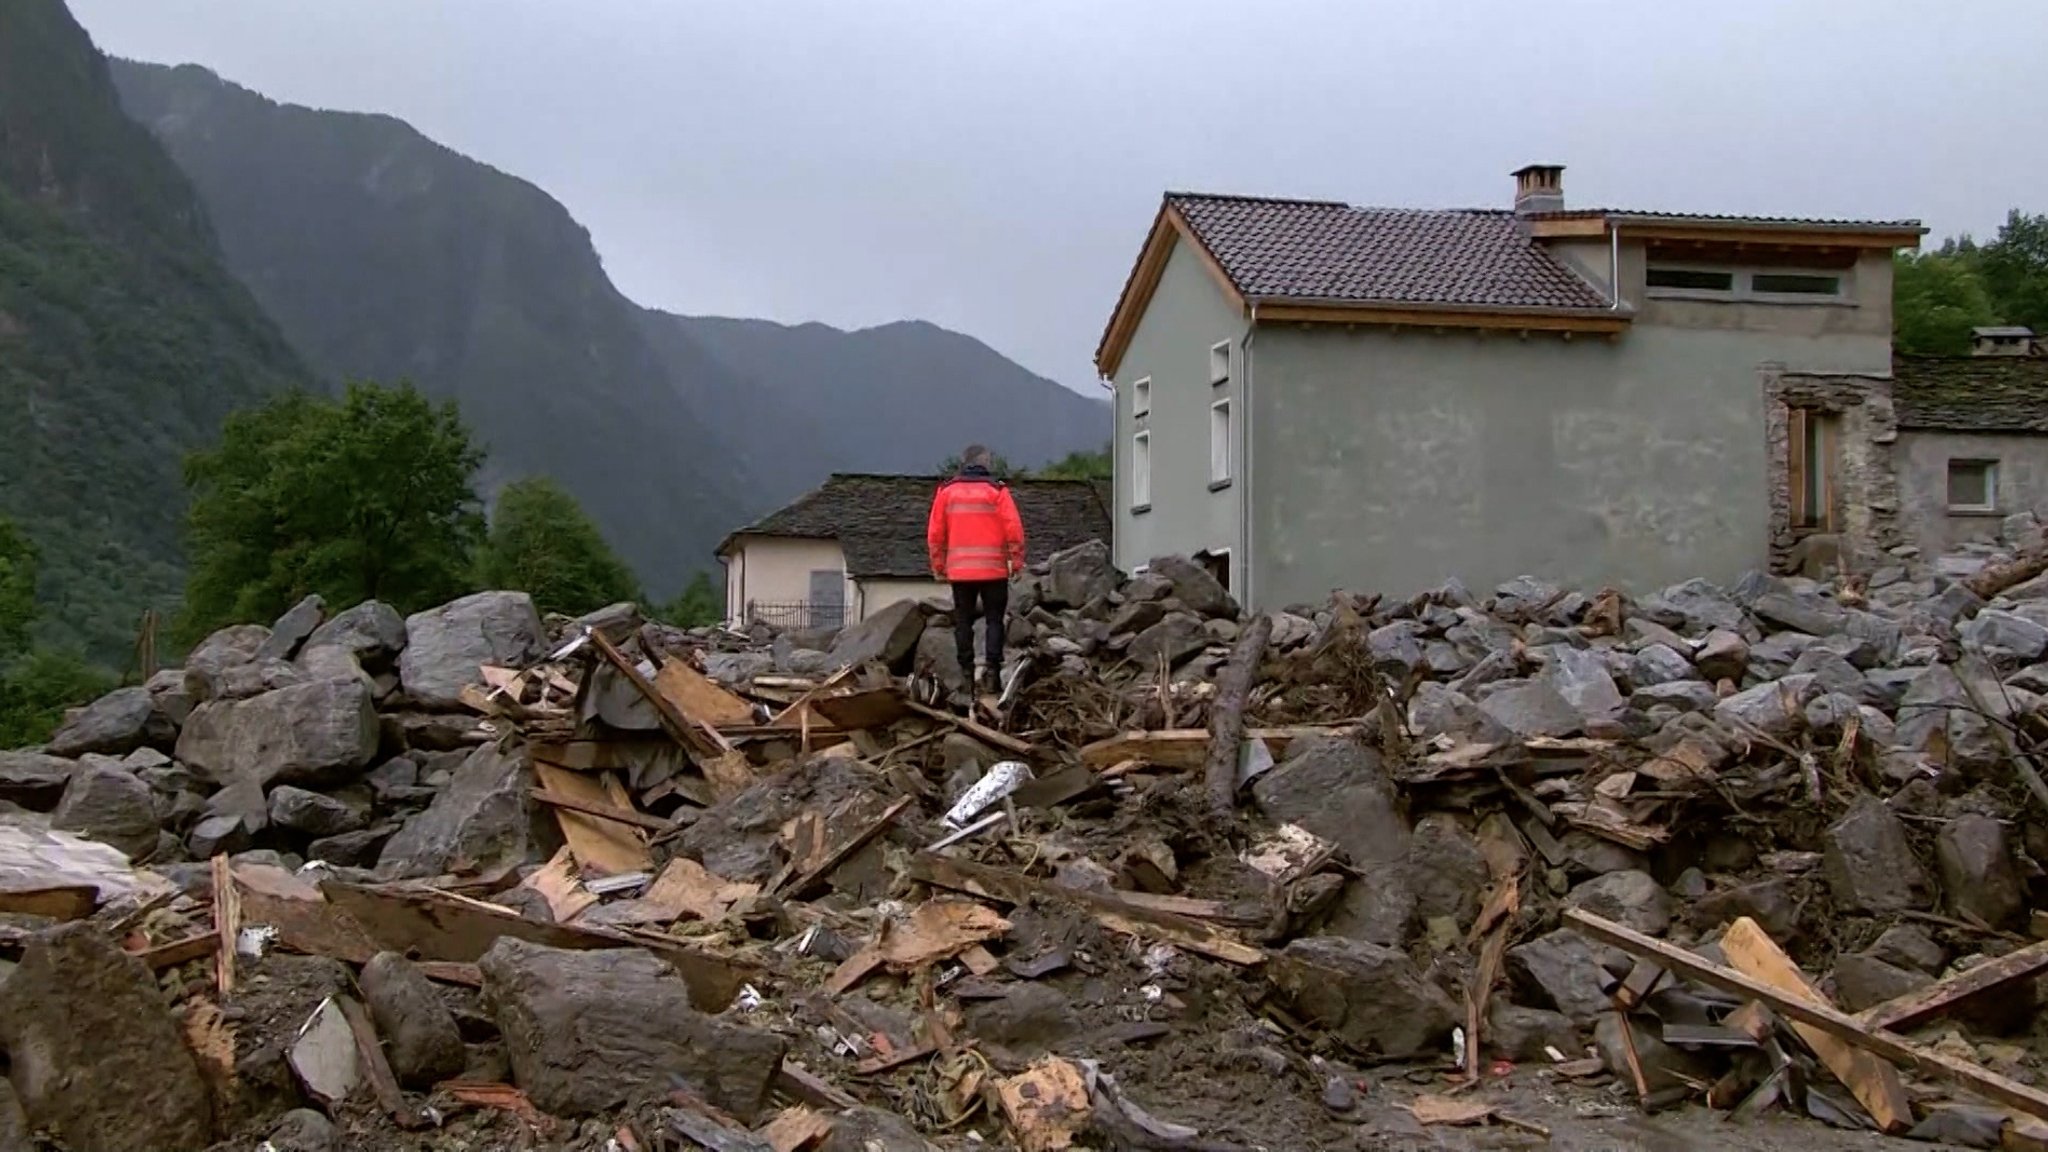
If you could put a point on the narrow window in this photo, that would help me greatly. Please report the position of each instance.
(1795, 284)
(1691, 279)
(1811, 466)
(1219, 362)
(1141, 471)
(1217, 561)
(1219, 444)
(1972, 485)
(1141, 397)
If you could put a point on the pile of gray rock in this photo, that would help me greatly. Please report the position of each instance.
(339, 738)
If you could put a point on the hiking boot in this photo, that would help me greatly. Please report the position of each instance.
(990, 682)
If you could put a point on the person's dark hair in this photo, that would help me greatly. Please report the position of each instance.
(975, 454)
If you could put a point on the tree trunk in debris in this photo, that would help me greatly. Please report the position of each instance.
(1997, 578)
(1226, 716)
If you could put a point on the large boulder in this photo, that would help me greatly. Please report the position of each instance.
(1581, 677)
(1369, 996)
(418, 1030)
(1870, 867)
(372, 631)
(95, 1054)
(1629, 898)
(1194, 586)
(114, 725)
(1532, 708)
(446, 646)
(235, 644)
(34, 780)
(110, 804)
(1562, 970)
(313, 733)
(484, 818)
(313, 813)
(888, 636)
(1339, 789)
(1977, 869)
(292, 628)
(588, 1031)
(1079, 574)
(1176, 637)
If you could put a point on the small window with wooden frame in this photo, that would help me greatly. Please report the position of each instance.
(1810, 467)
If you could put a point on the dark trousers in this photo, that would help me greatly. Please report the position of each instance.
(986, 600)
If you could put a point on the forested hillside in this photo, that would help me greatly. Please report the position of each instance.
(124, 342)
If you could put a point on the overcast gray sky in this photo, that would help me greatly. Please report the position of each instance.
(991, 166)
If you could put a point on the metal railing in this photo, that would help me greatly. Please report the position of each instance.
(796, 613)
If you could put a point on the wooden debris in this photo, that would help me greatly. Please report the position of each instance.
(678, 726)
(728, 773)
(1875, 1083)
(1916, 1008)
(799, 1084)
(305, 921)
(876, 1065)
(1494, 925)
(1431, 1110)
(503, 1097)
(940, 930)
(795, 1129)
(58, 902)
(557, 883)
(713, 1136)
(979, 960)
(443, 926)
(1226, 718)
(179, 952)
(873, 708)
(699, 697)
(978, 730)
(1801, 1009)
(376, 1068)
(597, 830)
(1116, 912)
(686, 888)
(212, 1041)
(817, 873)
(227, 923)
(1047, 1105)
(1188, 748)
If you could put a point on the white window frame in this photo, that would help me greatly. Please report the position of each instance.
(1141, 396)
(1742, 284)
(1229, 558)
(1141, 471)
(1222, 460)
(1990, 470)
(1219, 362)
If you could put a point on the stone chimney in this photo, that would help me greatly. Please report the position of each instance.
(1539, 188)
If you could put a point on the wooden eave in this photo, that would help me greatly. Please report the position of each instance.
(1758, 232)
(1168, 228)
(1604, 321)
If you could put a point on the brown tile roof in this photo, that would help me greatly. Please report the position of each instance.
(879, 520)
(1971, 393)
(1322, 250)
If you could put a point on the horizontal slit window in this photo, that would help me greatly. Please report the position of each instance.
(1692, 279)
(1795, 284)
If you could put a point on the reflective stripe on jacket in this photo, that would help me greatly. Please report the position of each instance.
(974, 532)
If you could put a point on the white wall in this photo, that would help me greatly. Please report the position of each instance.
(777, 570)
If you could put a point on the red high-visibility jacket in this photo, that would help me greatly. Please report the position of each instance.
(974, 532)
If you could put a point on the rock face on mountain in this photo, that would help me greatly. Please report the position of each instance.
(480, 287)
(124, 342)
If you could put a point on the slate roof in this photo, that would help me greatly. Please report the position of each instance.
(1324, 250)
(1971, 393)
(879, 520)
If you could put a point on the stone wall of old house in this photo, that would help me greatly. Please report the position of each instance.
(1865, 493)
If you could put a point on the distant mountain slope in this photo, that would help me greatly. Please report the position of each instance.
(385, 255)
(904, 396)
(123, 340)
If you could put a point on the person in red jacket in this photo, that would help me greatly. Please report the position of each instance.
(976, 542)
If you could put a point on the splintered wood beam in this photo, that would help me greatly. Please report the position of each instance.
(1798, 1009)
(1917, 1007)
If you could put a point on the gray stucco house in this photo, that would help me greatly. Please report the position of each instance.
(1318, 396)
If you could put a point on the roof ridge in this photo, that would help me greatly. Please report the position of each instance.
(1243, 198)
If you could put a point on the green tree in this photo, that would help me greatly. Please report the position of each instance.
(1096, 465)
(1937, 297)
(2015, 270)
(542, 543)
(18, 564)
(371, 496)
(699, 605)
(39, 687)
(998, 467)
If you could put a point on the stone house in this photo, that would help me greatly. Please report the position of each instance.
(1934, 455)
(856, 544)
(1323, 396)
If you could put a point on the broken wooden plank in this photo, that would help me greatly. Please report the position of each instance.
(57, 902)
(1917, 1007)
(502, 1097)
(700, 697)
(442, 926)
(672, 720)
(1875, 1084)
(712, 1136)
(178, 952)
(687, 888)
(1823, 1018)
(598, 831)
(370, 1056)
(1188, 748)
(816, 874)
(978, 730)
(795, 1129)
(559, 886)
(227, 923)
(1012, 888)
(305, 921)
(872, 708)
